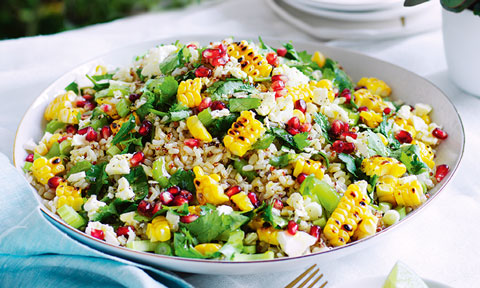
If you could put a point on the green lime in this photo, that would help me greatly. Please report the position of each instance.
(402, 276)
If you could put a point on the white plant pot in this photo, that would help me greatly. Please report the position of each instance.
(461, 37)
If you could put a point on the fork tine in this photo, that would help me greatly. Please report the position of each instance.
(296, 280)
(316, 280)
(308, 278)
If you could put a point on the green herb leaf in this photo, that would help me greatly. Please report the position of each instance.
(282, 160)
(220, 126)
(124, 130)
(79, 167)
(243, 104)
(97, 177)
(184, 243)
(375, 145)
(172, 62)
(283, 135)
(276, 221)
(325, 157)
(183, 179)
(410, 156)
(301, 140)
(138, 181)
(349, 163)
(291, 52)
(220, 90)
(264, 46)
(322, 121)
(238, 164)
(371, 189)
(264, 142)
(72, 87)
(331, 70)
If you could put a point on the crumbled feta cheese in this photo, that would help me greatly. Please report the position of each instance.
(295, 245)
(283, 110)
(29, 145)
(110, 235)
(128, 218)
(362, 144)
(92, 205)
(220, 113)
(232, 68)
(334, 111)
(124, 191)
(317, 75)
(296, 201)
(314, 211)
(224, 210)
(426, 136)
(194, 55)
(404, 112)
(123, 74)
(154, 57)
(320, 96)
(173, 220)
(119, 164)
(295, 76)
(419, 124)
(268, 102)
(79, 140)
(422, 109)
(363, 186)
(78, 180)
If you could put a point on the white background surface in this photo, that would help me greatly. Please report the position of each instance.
(440, 243)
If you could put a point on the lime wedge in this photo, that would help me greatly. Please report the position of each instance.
(402, 276)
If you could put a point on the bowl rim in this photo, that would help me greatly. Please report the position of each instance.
(204, 37)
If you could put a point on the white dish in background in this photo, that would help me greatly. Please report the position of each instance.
(357, 65)
(353, 5)
(377, 282)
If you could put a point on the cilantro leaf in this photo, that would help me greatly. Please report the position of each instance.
(164, 90)
(283, 135)
(291, 52)
(332, 71)
(183, 179)
(219, 126)
(243, 104)
(375, 145)
(97, 177)
(124, 130)
(349, 163)
(184, 243)
(373, 183)
(221, 89)
(264, 46)
(410, 156)
(106, 212)
(172, 62)
(138, 181)
(72, 87)
(238, 164)
(282, 160)
(301, 140)
(264, 141)
(276, 221)
(322, 121)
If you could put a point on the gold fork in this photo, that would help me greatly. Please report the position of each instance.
(309, 277)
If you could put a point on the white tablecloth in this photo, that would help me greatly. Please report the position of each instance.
(440, 243)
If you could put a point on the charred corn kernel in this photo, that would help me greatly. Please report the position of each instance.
(208, 188)
(426, 153)
(363, 97)
(371, 119)
(112, 111)
(308, 167)
(100, 70)
(299, 114)
(208, 248)
(197, 129)
(383, 138)
(194, 209)
(383, 166)
(409, 194)
(159, 230)
(62, 109)
(69, 195)
(348, 217)
(189, 92)
(243, 133)
(44, 169)
(242, 201)
(406, 126)
(251, 62)
(117, 124)
(385, 189)
(268, 235)
(375, 86)
(318, 58)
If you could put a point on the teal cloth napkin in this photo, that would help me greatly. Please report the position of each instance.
(34, 253)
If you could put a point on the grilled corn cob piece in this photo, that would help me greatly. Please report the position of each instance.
(308, 167)
(268, 235)
(208, 188)
(69, 195)
(158, 230)
(197, 129)
(375, 86)
(208, 248)
(189, 92)
(44, 169)
(426, 153)
(243, 134)
(251, 62)
(62, 109)
(306, 91)
(349, 216)
(363, 97)
(409, 193)
(112, 112)
(385, 188)
(242, 201)
(383, 166)
(371, 118)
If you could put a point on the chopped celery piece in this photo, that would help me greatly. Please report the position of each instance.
(402, 211)
(238, 164)
(142, 245)
(159, 171)
(251, 257)
(123, 107)
(424, 186)
(205, 117)
(71, 216)
(384, 206)
(113, 150)
(320, 192)
(234, 244)
(353, 117)
(249, 249)
(66, 147)
(123, 87)
(98, 123)
(36, 156)
(163, 248)
(320, 222)
(27, 166)
(54, 151)
(264, 141)
(79, 167)
(54, 125)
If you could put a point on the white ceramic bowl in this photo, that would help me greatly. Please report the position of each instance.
(406, 86)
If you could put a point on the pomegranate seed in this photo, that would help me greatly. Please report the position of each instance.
(278, 204)
(189, 218)
(71, 129)
(133, 97)
(29, 158)
(278, 85)
(301, 105)
(123, 230)
(192, 142)
(83, 131)
(404, 137)
(54, 182)
(280, 77)
(362, 108)
(439, 133)
(106, 107)
(315, 231)
(155, 209)
(97, 233)
(301, 177)
(233, 190)
(223, 49)
(179, 200)
(348, 134)
(81, 103)
(253, 198)
(218, 105)
(203, 71)
(348, 148)
(338, 127)
(442, 171)
(89, 106)
(338, 146)
(192, 46)
(387, 110)
(206, 102)
(106, 132)
(282, 51)
(294, 122)
(187, 195)
(211, 53)
(60, 140)
(281, 93)
(347, 95)
(292, 131)
(145, 128)
(144, 207)
(91, 135)
(87, 97)
(166, 198)
(305, 127)
(220, 61)
(272, 59)
(174, 190)
(292, 227)
(137, 158)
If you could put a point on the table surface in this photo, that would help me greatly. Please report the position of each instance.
(441, 242)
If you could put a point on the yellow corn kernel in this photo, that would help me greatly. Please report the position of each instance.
(251, 62)
(41, 149)
(324, 83)
(194, 209)
(197, 129)
(383, 166)
(242, 201)
(308, 167)
(208, 248)
(305, 91)
(375, 86)
(385, 189)
(243, 133)
(319, 58)
(44, 169)
(426, 153)
(69, 195)
(189, 92)
(347, 220)
(268, 235)
(60, 102)
(371, 118)
(427, 119)
(406, 126)
(158, 230)
(112, 112)
(300, 115)
(208, 188)
(53, 139)
(409, 194)
(363, 97)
